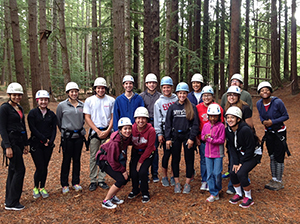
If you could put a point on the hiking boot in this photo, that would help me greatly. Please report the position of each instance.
(108, 204)
(235, 199)
(165, 182)
(145, 199)
(204, 186)
(65, 189)
(93, 186)
(17, 207)
(225, 175)
(172, 181)
(132, 195)
(247, 202)
(155, 178)
(212, 198)
(278, 185)
(36, 193)
(77, 187)
(116, 200)
(271, 185)
(103, 185)
(44, 193)
(186, 189)
(177, 188)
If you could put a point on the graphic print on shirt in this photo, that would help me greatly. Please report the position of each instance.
(179, 113)
(167, 105)
(139, 140)
(204, 117)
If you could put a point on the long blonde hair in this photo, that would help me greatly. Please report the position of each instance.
(189, 109)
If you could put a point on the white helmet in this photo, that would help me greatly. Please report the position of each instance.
(100, 82)
(151, 78)
(236, 111)
(197, 77)
(238, 77)
(141, 112)
(123, 121)
(14, 87)
(213, 109)
(208, 89)
(234, 89)
(128, 78)
(42, 94)
(71, 85)
(264, 84)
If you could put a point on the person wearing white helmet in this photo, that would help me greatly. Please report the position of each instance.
(242, 142)
(70, 121)
(126, 104)
(42, 124)
(272, 114)
(15, 144)
(112, 158)
(208, 99)
(181, 129)
(143, 148)
(213, 134)
(237, 80)
(197, 84)
(161, 107)
(98, 114)
(150, 95)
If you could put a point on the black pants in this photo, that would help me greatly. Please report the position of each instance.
(72, 151)
(142, 175)
(41, 156)
(116, 175)
(166, 156)
(189, 157)
(275, 146)
(242, 175)
(15, 177)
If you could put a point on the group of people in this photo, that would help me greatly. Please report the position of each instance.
(185, 120)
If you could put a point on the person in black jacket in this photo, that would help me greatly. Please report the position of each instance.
(14, 142)
(242, 144)
(42, 123)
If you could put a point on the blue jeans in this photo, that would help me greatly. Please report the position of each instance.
(202, 162)
(154, 167)
(214, 174)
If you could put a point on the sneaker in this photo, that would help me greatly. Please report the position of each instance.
(93, 186)
(225, 175)
(36, 193)
(155, 178)
(18, 207)
(204, 186)
(116, 200)
(132, 195)
(271, 185)
(177, 188)
(230, 191)
(172, 181)
(44, 193)
(145, 199)
(278, 185)
(186, 189)
(165, 182)
(235, 199)
(65, 189)
(77, 187)
(212, 198)
(247, 202)
(108, 204)
(103, 185)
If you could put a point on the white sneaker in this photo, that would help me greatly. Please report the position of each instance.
(108, 204)
(204, 186)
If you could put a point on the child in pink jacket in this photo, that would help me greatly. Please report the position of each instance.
(213, 133)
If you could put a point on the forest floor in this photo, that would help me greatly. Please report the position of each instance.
(165, 206)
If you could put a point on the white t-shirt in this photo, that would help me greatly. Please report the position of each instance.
(101, 110)
(198, 95)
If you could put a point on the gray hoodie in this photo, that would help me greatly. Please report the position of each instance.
(161, 107)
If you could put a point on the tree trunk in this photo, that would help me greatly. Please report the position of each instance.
(205, 42)
(246, 58)
(127, 37)
(7, 38)
(295, 87)
(234, 66)
(94, 38)
(18, 52)
(136, 49)
(197, 29)
(119, 48)
(147, 37)
(155, 53)
(99, 42)
(54, 41)
(168, 34)
(216, 53)
(286, 44)
(222, 51)
(33, 49)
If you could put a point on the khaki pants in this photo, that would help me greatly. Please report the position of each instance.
(94, 169)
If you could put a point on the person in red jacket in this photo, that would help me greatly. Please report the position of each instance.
(112, 158)
(142, 154)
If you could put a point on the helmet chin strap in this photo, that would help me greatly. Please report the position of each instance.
(12, 101)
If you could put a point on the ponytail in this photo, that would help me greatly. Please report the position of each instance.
(189, 109)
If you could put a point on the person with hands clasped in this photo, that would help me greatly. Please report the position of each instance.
(182, 125)
(42, 124)
(213, 133)
(15, 143)
(112, 158)
(143, 147)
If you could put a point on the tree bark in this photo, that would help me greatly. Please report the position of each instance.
(216, 53)
(54, 42)
(246, 57)
(94, 38)
(136, 47)
(286, 44)
(147, 37)
(197, 29)
(222, 51)
(168, 34)
(295, 87)
(18, 52)
(99, 42)
(205, 42)
(127, 37)
(155, 53)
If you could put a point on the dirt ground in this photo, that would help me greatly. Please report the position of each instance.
(165, 206)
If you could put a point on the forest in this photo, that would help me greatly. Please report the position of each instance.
(46, 44)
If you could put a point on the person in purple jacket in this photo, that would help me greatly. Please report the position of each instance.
(112, 158)
(273, 113)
